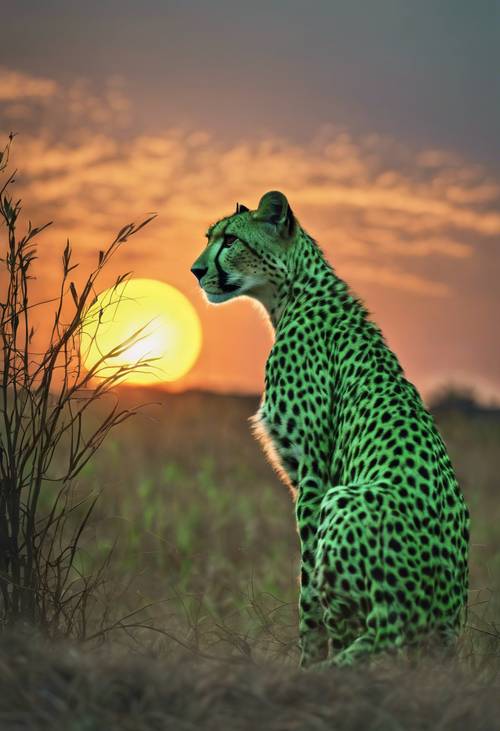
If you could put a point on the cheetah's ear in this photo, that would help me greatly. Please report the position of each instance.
(240, 208)
(274, 208)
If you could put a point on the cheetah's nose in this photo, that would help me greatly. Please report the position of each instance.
(199, 272)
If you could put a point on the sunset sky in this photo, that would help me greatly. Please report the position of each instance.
(380, 122)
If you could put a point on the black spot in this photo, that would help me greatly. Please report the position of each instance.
(330, 577)
(305, 532)
(395, 545)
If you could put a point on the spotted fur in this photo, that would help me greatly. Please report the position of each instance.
(383, 525)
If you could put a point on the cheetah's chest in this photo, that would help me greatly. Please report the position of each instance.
(283, 447)
(279, 423)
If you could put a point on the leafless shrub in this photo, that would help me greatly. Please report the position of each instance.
(47, 434)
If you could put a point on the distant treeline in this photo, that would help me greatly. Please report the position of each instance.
(462, 399)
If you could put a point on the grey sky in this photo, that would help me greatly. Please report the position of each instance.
(425, 72)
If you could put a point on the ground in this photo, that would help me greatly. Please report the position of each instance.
(206, 538)
(60, 689)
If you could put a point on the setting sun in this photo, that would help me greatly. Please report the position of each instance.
(153, 321)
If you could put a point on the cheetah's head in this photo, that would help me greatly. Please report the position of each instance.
(247, 252)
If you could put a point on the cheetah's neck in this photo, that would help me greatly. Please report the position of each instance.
(308, 274)
(311, 288)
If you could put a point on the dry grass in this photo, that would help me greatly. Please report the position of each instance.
(57, 687)
(207, 531)
(205, 536)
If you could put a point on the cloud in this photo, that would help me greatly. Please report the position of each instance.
(15, 85)
(368, 200)
(390, 241)
(391, 277)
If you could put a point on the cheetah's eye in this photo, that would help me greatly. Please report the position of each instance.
(229, 240)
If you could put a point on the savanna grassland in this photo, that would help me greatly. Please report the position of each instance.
(194, 622)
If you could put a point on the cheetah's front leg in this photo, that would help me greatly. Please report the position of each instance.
(313, 635)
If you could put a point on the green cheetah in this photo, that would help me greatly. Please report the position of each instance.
(383, 525)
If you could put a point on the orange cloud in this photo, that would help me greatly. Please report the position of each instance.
(94, 183)
(16, 85)
(391, 277)
(386, 215)
(98, 181)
